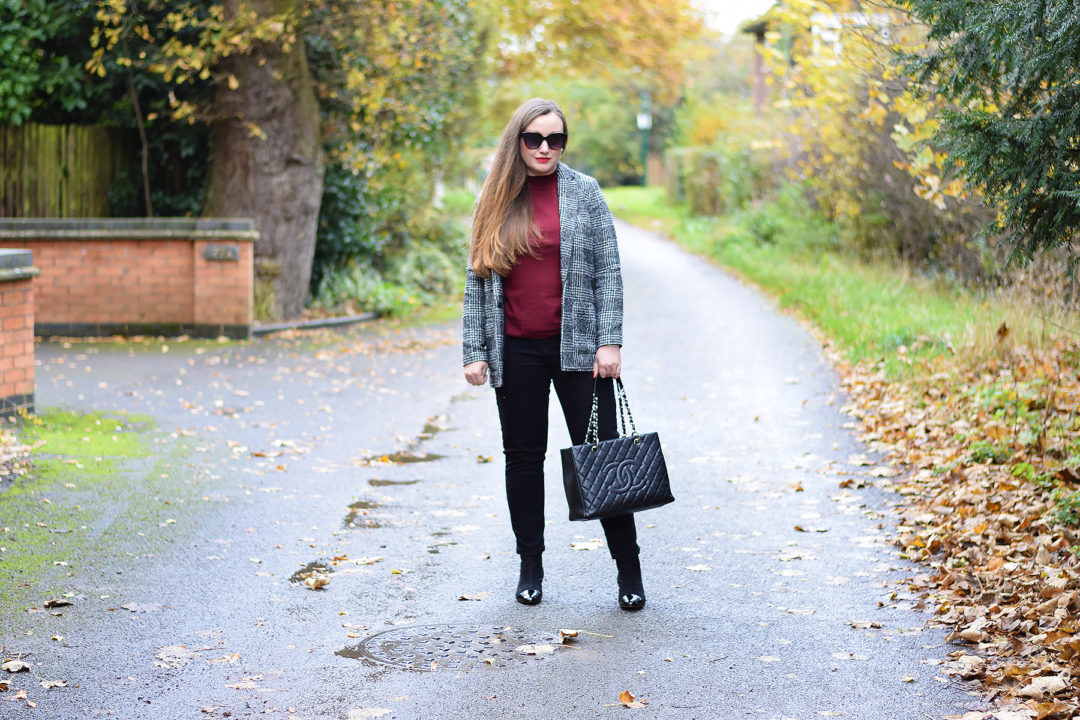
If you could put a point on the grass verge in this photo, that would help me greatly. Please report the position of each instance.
(871, 311)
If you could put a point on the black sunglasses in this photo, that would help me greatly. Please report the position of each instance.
(533, 140)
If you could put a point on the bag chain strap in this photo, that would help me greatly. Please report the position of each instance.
(593, 432)
(592, 435)
(625, 402)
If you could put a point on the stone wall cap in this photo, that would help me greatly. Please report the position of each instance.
(127, 228)
(21, 273)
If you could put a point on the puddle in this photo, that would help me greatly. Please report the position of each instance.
(409, 456)
(312, 568)
(357, 512)
(379, 482)
(434, 549)
(352, 653)
(431, 429)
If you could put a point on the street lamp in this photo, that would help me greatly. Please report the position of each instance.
(644, 123)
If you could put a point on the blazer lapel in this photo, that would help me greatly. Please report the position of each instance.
(568, 210)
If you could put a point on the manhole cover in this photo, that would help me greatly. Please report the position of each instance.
(450, 647)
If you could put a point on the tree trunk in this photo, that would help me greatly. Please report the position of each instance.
(267, 164)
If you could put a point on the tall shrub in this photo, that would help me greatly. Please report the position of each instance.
(1013, 129)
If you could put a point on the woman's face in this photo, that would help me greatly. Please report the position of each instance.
(543, 160)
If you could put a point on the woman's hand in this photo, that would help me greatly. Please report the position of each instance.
(476, 372)
(608, 362)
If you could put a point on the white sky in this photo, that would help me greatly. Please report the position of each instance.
(725, 15)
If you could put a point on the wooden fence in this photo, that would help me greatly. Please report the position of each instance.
(60, 170)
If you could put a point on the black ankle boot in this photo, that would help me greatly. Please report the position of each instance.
(529, 590)
(631, 590)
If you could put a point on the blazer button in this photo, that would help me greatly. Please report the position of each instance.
(499, 304)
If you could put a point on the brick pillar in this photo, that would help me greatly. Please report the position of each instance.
(224, 277)
(17, 272)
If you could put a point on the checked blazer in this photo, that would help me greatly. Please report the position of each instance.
(592, 290)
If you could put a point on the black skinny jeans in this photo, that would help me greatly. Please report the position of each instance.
(529, 369)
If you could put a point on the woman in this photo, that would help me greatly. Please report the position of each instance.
(543, 306)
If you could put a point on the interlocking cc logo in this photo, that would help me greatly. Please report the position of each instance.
(623, 476)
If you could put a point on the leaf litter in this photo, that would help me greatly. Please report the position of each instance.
(984, 453)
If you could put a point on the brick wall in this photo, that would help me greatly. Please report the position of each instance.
(17, 274)
(135, 276)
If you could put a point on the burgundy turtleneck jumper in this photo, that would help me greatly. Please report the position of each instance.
(532, 293)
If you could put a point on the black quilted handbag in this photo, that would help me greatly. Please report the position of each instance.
(614, 477)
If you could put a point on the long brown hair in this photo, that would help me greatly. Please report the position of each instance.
(502, 222)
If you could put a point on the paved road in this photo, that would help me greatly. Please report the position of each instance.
(747, 616)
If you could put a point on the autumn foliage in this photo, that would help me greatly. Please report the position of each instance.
(985, 455)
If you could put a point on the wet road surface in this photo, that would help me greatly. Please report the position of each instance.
(287, 453)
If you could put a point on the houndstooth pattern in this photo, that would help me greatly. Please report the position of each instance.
(592, 292)
(615, 477)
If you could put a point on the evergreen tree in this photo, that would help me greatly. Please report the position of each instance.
(1010, 70)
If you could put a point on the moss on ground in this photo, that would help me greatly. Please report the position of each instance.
(104, 488)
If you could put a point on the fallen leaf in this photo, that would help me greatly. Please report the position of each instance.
(367, 713)
(48, 684)
(1050, 709)
(15, 666)
(593, 544)
(699, 568)
(849, 656)
(535, 649)
(54, 603)
(234, 658)
(567, 636)
(317, 580)
(628, 700)
(174, 656)
(864, 624)
(247, 683)
(1012, 715)
(1047, 685)
(475, 596)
